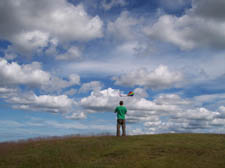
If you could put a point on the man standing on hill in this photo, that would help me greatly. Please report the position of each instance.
(121, 111)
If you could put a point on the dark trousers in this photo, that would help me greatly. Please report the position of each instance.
(121, 122)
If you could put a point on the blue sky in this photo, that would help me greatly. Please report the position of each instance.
(64, 63)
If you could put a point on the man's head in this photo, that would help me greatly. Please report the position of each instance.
(121, 103)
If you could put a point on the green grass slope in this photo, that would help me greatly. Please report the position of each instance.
(150, 151)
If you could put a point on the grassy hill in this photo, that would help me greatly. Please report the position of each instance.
(150, 151)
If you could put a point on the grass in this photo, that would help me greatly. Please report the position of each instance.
(143, 151)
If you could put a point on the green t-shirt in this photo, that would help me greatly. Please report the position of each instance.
(121, 111)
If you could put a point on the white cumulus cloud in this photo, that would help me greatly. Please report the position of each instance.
(121, 28)
(93, 85)
(32, 75)
(108, 5)
(106, 101)
(73, 53)
(160, 78)
(200, 26)
(45, 103)
(31, 24)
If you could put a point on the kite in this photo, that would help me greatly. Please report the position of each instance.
(128, 95)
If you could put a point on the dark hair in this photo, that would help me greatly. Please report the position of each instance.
(121, 103)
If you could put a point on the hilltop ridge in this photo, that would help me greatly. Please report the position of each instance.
(158, 151)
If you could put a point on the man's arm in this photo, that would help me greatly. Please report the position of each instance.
(115, 111)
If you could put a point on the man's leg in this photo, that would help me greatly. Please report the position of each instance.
(124, 127)
(118, 128)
